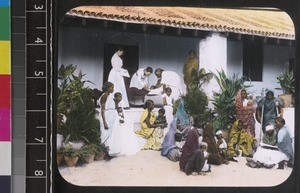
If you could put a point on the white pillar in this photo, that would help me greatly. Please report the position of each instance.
(213, 58)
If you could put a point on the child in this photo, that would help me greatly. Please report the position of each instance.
(206, 166)
(161, 121)
(222, 145)
(168, 102)
(121, 115)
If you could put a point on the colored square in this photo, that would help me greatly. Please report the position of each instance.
(5, 124)
(5, 159)
(4, 57)
(5, 184)
(4, 23)
(5, 91)
(4, 3)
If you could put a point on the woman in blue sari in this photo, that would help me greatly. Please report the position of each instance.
(268, 109)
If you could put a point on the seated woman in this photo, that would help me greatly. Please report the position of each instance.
(208, 137)
(149, 128)
(192, 158)
(240, 140)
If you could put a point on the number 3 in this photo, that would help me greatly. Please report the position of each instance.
(36, 7)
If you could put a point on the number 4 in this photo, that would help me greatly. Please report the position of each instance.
(38, 40)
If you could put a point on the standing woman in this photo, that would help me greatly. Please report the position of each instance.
(245, 111)
(149, 128)
(268, 109)
(191, 66)
(116, 76)
(108, 117)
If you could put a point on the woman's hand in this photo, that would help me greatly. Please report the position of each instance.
(105, 126)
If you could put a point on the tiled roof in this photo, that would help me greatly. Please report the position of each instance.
(267, 23)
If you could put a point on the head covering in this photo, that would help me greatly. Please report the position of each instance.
(269, 127)
(204, 143)
(219, 132)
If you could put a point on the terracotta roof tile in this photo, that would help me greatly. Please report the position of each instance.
(269, 23)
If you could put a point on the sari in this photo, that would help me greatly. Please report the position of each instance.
(208, 137)
(270, 111)
(245, 113)
(152, 135)
(240, 140)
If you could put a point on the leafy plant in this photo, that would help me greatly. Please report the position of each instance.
(76, 105)
(70, 151)
(224, 101)
(287, 82)
(195, 100)
(87, 150)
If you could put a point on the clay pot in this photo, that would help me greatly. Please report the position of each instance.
(100, 156)
(59, 158)
(71, 161)
(89, 158)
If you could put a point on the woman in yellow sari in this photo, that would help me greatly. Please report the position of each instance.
(240, 140)
(149, 129)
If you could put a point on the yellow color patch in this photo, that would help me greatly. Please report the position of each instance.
(5, 57)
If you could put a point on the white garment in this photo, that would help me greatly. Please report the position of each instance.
(115, 77)
(111, 136)
(223, 145)
(138, 79)
(168, 108)
(206, 165)
(245, 102)
(128, 140)
(172, 79)
(269, 156)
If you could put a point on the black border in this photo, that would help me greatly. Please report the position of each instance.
(292, 7)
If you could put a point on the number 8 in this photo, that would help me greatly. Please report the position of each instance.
(38, 172)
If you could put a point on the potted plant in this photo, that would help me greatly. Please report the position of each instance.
(101, 151)
(287, 83)
(87, 153)
(59, 155)
(195, 100)
(70, 155)
(75, 103)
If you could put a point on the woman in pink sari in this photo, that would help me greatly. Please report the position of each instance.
(245, 110)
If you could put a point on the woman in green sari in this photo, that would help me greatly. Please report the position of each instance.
(240, 140)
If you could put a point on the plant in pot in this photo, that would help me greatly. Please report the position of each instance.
(101, 150)
(87, 153)
(287, 83)
(195, 100)
(59, 155)
(70, 155)
(224, 100)
(75, 103)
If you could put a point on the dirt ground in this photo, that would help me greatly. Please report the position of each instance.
(149, 168)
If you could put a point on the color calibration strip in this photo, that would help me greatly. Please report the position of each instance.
(5, 98)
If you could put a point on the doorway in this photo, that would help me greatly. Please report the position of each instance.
(130, 59)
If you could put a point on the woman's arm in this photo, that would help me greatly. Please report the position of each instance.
(147, 121)
(102, 104)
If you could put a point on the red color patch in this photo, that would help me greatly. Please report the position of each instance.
(5, 92)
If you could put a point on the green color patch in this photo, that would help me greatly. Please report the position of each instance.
(4, 23)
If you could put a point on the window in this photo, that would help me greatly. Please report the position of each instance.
(253, 61)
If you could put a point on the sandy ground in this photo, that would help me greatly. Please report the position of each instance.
(149, 168)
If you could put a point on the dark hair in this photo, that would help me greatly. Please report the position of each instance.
(162, 111)
(120, 49)
(158, 69)
(117, 94)
(271, 92)
(178, 137)
(149, 69)
(168, 88)
(106, 86)
(192, 52)
(281, 120)
(147, 103)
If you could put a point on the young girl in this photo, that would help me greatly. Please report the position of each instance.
(168, 102)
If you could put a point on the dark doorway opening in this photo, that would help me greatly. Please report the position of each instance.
(130, 59)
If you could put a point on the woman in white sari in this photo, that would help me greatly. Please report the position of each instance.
(116, 131)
